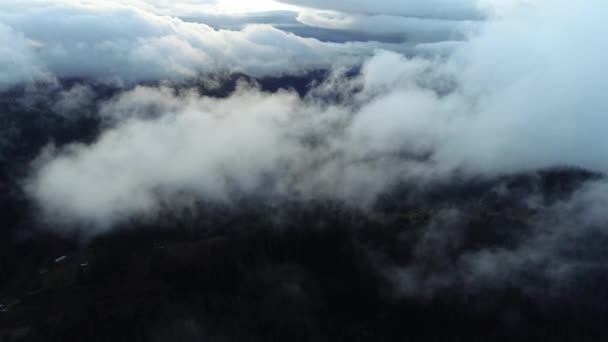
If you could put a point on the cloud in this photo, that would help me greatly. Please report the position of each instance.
(544, 249)
(414, 21)
(478, 111)
(239, 21)
(75, 101)
(412, 29)
(541, 107)
(163, 143)
(225, 8)
(199, 145)
(119, 43)
(18, 61)
(563, 244)
(441, 9)
(134, 41)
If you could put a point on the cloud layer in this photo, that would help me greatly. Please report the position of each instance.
(475, 111)
(120, 43)
(444, 9)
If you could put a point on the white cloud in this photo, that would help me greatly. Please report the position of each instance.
(199, 145)
(114, 42)
(526, 93)
(131, 41)
(217, 7)
(18, 61)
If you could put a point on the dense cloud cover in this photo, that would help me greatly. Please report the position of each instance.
(121, 43)
(477, 111)
(131, 41)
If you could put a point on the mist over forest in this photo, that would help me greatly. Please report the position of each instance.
(303, 170)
